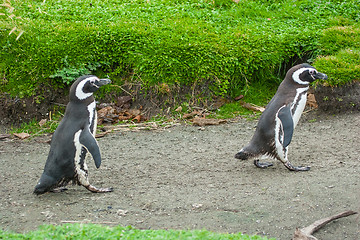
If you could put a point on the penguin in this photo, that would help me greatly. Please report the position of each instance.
(276, 125)
(73, 139)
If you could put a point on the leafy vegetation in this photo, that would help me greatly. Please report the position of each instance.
(92, 231)
(343, 67)
(233, 45)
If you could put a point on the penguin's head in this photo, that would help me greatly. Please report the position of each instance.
(305, 74)
(85, 86)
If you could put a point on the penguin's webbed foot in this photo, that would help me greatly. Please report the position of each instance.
(94, 189)
(262, 164)
(297, 169)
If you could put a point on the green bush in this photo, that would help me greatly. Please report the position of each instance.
(183, 42)
(336, 38)
(340, 56)
(342, 67)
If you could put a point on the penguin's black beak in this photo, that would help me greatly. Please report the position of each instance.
(103, 82)
(320, 75)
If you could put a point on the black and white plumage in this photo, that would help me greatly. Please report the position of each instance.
(73, 138)
(277, 123)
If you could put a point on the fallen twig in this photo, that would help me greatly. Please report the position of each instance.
(306, 233)
(309, 110)
(22, 135)
(100, 135)
(137, 127)
(3, 136)
(112, 85)
(207, 121)
(86, 221)
(252, 107)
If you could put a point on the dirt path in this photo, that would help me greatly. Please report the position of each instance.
(186, 177)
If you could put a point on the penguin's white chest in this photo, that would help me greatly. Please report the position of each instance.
(298, 105)
(91, 109)
(80, 165)
(92, 117)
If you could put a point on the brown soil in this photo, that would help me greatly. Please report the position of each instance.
(338, 99)
(186, 177)
(14, 110)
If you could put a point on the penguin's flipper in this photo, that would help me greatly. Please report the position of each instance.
(89, 141)
(287, 123)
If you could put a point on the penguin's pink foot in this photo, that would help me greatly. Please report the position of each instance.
(94, 189)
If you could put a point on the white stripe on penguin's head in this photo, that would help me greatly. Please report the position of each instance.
(79, 92)
(296, 75)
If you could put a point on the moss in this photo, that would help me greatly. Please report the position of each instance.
(342, 68)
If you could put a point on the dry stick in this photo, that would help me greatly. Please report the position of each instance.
(306, 233)
(135, 126)
(69, 221)
(320, 223)
(112, 85)
(252, 107)
(3, 136)
(309, 110)
(100, 135)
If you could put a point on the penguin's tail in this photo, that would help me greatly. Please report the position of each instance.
(242, 155)
(45, 184)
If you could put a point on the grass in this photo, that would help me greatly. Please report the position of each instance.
(34, 129)
(98, 232)
(259, 95)
(232, 110)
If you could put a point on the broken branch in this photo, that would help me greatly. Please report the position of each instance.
(306, 233)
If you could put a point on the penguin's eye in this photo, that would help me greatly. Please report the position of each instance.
(312, 72)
